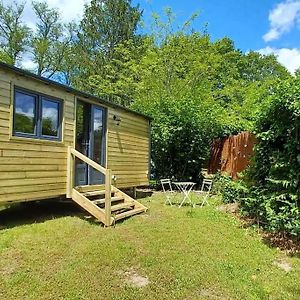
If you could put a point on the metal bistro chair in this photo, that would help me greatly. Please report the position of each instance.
(167, 190)
(205, 190)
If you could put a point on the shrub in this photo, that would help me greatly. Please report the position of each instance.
(274, 211)
(273, 197)
(231, 191)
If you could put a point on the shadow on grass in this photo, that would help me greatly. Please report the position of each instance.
(140, 193)
(39, 212)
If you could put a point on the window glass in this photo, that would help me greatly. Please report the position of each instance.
(98, 134)
(50, 118)
(25, 113)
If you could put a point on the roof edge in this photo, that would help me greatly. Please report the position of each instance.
(68, 88)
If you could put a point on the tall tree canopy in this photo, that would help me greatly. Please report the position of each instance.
(107, 23)
(197, 90)
(51, 40)
(105, 26)
(46, 38)
(14, 35)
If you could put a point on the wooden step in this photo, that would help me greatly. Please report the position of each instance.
(126, 205)
(94, 193)
(90, 188)
(102, 201)
(129, 213)
(89, 206)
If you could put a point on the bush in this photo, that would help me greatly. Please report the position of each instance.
(230, 190)
(275, 212)
(273, 197)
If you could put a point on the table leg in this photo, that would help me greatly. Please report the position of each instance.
(186, 189)
(185, 192)
(188, 196)
(184, 196)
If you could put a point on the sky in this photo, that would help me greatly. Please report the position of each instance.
(266, 26)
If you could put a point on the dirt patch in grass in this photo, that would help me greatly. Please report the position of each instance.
(228, 208)
(283, 264)
(8, 270)
(134, 279)
(210, 294)
(8, 266)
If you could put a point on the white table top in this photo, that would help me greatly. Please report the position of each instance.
(184, 183)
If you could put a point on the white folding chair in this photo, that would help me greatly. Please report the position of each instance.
(167, 190)
(205, 190)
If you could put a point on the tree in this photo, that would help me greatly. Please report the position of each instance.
(297, 72)
(107, 23)
(197, 90)
(4, 57)
(51, 40)
(66, 55)
(14, 35)
(120, 77)
(107, 27)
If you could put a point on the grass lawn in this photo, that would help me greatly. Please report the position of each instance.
(205, 254)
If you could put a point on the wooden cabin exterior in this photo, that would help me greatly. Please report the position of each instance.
(56, 141)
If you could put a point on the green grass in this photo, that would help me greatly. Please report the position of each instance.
(198, 254)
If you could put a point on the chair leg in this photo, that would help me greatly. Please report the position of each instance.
(168, 200)
(205, 200)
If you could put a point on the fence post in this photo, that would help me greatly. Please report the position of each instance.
(108, 197)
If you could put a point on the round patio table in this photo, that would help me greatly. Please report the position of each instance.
(185, 187)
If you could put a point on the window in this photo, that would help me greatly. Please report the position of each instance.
(25, 113)
(37, 116)
(50, 118)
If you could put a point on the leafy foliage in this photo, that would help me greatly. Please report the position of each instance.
(106, 24)
(277, 160)
(272, 197)
(277, 154)
(14, 35)
(107, 32)
(231, 191)
(270, 209)
(197, 90)
(274, 211)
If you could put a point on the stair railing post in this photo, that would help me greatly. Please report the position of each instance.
(108, 197)
(70, 175)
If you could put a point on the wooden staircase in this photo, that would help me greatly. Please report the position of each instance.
(105, 202)
(92, 199)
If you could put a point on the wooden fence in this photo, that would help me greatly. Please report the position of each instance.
(231, 155)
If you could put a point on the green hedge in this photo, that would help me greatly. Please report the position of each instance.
(273, 196)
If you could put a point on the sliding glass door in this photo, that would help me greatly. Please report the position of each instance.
(90, 141)
(97, 143)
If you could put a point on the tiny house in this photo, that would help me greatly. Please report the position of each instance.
(56, 141)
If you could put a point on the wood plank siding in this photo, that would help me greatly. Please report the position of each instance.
(32, 169)
(128, 148)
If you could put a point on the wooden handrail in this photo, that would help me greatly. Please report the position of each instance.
(72, 153)
(88, 161)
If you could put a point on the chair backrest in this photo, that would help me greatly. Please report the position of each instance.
(206, 185)
(166, 185)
